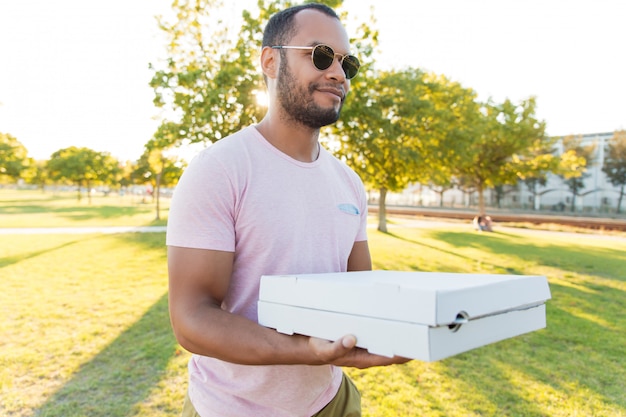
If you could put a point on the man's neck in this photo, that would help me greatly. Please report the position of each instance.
(297, 141)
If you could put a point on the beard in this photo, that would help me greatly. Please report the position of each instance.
(297, 101)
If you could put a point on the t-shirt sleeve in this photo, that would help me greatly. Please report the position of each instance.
(362, 233)
(202, 209)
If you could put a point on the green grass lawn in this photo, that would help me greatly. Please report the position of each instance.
(62, 209)
(85, 328)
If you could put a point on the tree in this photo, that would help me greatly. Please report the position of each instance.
(400, 127)
(575, 159)
(377, 134)
(501, 191)
(82, 167)
(159, 169)
(615, 163)
(37, 173)
(535, 169)
(452, 127)
(533, 184)
(208, 81)
(508, 137)
(440, 188)
(127, 170)
(13, 157)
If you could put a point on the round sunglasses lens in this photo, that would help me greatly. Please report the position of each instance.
(323, 56)
(351, 66)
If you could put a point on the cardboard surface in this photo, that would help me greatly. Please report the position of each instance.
(400, 338)
(425, 316)
(420, 297)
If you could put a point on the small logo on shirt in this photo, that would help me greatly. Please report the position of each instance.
(349, 208)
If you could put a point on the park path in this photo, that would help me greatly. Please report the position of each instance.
(405, 222)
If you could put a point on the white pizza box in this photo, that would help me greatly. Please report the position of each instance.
(419, 315)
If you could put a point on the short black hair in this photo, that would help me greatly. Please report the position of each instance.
(280, 28)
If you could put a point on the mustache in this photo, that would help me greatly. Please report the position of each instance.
(333, 88)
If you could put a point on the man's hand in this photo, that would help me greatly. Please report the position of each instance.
(343, 352)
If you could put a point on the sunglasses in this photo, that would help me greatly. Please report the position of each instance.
(323, 57)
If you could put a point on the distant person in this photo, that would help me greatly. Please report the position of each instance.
(483, 223)
(270, 200)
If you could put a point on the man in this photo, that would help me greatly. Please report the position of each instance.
(269, 200)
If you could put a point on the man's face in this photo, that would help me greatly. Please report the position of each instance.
(299, 103)
(309, 96)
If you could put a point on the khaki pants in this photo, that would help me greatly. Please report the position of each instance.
(347, 403)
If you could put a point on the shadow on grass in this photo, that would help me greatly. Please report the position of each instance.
(579, 354)
(123, 374)
(78, 212)
(505, 269)
(11, 260)
(602, 262)
(152, 241)
(573, 358)
(575, 365)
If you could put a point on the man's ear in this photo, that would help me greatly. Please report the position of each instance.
(270, 61)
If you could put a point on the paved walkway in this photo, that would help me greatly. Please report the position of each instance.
(405, 222)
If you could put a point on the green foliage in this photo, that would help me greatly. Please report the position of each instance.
(509, 144)
(159, 169)
(376, 137)
(83, 167)
(156, 164)
(14, 158)
(615, 160)
(615, 163)
(37, 173)
(208, 82)
(399, 127)
(574, 162)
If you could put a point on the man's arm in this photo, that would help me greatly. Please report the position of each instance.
(360, 258)
(198, 281)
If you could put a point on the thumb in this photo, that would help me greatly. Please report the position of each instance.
(348, 341)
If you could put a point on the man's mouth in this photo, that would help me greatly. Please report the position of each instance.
(333, 90)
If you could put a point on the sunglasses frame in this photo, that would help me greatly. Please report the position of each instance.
(342, 58)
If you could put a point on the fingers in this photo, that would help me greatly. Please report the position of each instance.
(329, 351)
(343, 352)
(348, 341)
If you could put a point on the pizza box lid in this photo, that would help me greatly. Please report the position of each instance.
(430, 298)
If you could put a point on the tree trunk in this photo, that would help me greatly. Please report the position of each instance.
(382, 211)
(89, 192)
(78, 196)
(619, 201)
(157, 191)
(481, 200)
(537, 202)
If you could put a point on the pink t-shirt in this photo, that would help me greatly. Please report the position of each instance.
(279, 216)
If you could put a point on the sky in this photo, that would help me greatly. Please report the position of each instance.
(75, 72)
